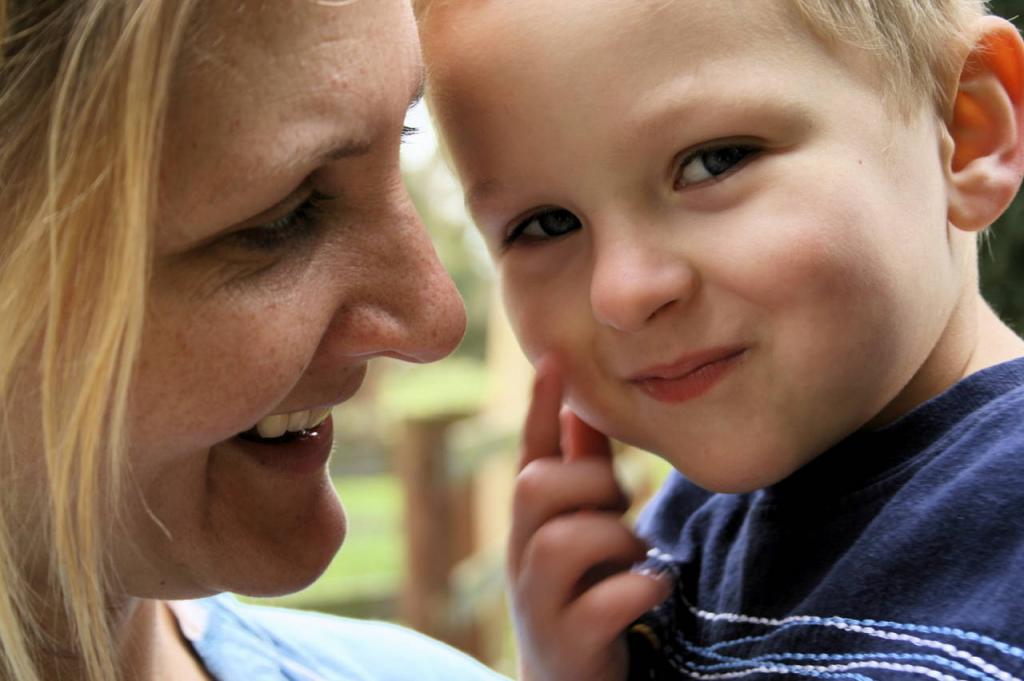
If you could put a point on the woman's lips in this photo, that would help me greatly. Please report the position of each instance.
(688, 377)
(298, 442)
(295, 453)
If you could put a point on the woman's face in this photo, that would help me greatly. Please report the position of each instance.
(287, 256)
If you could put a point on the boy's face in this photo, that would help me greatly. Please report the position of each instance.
(739, 255)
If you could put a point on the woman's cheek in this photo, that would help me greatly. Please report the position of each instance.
(199, 388)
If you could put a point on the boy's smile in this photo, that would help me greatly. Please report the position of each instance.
(739, 253)
(690, 376)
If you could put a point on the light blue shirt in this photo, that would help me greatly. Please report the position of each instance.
(241, 642)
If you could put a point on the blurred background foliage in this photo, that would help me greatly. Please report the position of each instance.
(368, 574)
(1002, 256)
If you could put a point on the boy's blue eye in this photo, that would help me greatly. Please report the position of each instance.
(300, 224)
(707, 164)
(548, 224)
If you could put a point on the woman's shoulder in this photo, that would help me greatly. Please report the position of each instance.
(243, 641)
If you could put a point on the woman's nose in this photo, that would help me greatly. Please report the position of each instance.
(632, 282)
(405, 305)
(429, 315)
(435, 314)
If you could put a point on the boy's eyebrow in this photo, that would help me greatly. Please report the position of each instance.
(481, 191)
(770, 110)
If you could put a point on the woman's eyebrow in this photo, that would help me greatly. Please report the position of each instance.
(336, 149)
(421, 84)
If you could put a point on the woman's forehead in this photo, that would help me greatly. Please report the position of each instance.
(267, 91)
(239, 34)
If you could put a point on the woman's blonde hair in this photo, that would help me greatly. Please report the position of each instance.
(83, 92)
(918, 45)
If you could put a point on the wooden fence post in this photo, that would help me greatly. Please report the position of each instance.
(439, 529)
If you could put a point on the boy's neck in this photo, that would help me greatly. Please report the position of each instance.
(974, 339)
(996, 342)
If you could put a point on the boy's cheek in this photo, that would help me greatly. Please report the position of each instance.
(555, 328)
(540, 318)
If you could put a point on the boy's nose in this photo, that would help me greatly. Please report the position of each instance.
(632, 283)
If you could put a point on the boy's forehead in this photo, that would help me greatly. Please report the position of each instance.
(588, 50)
(575, 42)
(609, 24)
(603, 77)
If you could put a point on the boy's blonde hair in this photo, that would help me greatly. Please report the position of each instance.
(83, 93)
(918, 45)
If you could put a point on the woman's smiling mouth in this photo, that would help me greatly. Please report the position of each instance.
(279, 425)
(300, 452)
(288, 426)
(298, 441)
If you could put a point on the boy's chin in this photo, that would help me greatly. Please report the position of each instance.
(740, 483)
(726, 474)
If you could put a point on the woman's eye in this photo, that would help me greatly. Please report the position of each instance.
(299, 225)
(408, 132)
(549, 224)
(708, 164)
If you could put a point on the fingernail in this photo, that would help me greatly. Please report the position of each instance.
(658, 565)
(652, 571)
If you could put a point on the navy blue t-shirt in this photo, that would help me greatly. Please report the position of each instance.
(898, 554)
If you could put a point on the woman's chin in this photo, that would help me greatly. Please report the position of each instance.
(267, 530)
(240, 560)
(290, 556)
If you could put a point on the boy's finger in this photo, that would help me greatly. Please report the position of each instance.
(561, 557)
(606, 609)
(547, 488)
(541, 430)
(580, 439)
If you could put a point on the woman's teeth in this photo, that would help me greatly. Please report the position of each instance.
(270, 427)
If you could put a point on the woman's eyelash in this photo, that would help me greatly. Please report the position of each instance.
(300, 224)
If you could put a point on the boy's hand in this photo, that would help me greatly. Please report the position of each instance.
(570, 555)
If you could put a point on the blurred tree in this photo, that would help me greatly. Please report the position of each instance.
(1002, 257)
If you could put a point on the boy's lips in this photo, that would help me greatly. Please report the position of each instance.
(689, 376)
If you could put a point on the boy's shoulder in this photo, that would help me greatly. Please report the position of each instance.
(974, 432)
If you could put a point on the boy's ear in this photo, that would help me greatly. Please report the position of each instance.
(987, 127)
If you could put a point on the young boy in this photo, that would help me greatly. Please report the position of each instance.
(742, 234)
